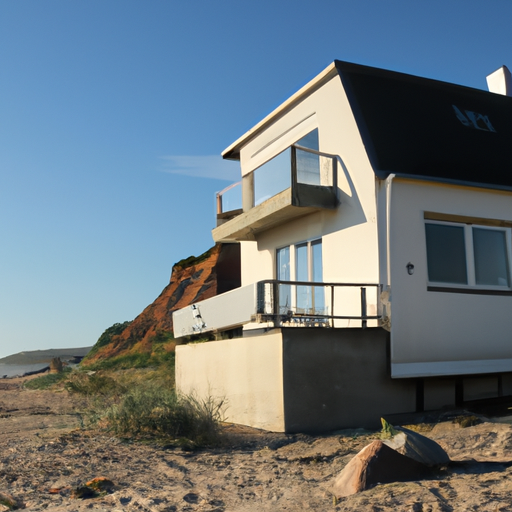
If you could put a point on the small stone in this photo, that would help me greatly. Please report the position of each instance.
(100, 483)
(9, 502)
(191, 497)
(83, 492)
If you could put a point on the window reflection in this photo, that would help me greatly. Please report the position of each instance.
(491, 262)
(283, 274)
(272, 177)
(446, 254)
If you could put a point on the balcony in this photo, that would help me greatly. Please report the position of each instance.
(273, 303)
(294, 183)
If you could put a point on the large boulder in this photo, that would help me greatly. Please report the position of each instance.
(376, 463)
(418, 447)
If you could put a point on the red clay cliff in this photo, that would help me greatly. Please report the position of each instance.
(193, 279)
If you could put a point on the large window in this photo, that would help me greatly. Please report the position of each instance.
(304, 262)
(468, 255)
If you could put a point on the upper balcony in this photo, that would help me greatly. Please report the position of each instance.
(296, 182)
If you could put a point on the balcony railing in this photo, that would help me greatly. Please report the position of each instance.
(305, 304)
(229, 201)
(283, 304)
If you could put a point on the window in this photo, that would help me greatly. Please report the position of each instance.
(306, 266)
(468, 255)
(283, 274)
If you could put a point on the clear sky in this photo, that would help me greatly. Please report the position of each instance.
(113, 115)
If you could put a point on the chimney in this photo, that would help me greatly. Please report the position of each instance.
(500, 82)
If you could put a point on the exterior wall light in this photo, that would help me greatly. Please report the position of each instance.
(410, 268)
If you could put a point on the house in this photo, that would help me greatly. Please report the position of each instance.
(375, 230)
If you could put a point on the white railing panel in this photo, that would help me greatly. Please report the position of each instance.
(225, 311)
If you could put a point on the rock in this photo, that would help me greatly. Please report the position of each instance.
(55, 365)
(376, 463)
(93, 488)
(100, 483)
(9, 502)
(83, 492)
(418, 447)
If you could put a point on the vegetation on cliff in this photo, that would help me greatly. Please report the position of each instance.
(106, 337)
(192, 260)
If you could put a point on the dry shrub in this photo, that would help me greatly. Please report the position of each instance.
(143, 402)
(149, 408)
(94, 384)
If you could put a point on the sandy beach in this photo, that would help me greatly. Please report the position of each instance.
(46, 454)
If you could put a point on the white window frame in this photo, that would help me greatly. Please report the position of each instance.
(293, 263)
(293, 249)
(470, 260)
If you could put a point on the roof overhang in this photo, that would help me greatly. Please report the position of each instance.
(233, 151)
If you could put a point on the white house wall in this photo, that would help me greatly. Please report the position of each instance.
(441, 333)
(349, 233)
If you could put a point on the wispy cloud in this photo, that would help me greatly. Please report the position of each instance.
(205, 166)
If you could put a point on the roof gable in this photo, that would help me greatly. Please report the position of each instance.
(427, 128)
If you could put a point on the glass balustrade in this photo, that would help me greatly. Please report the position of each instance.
(272, 177)
(295, 164)
(230, 199)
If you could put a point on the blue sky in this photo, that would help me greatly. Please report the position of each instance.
(113, 115)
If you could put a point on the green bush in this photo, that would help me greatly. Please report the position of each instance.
(152, 409)
(107, 335)
(48, 380)
(94, 384)
(137, 360)
(192, 260)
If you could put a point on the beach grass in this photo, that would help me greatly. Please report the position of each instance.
(48, 380)
(132, 398)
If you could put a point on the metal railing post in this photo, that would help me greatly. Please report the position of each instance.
(363, 307)
(332, 306)
(277, 313)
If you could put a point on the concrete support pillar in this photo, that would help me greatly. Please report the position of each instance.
(248, 192)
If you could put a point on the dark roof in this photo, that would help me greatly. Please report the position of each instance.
(427, 128)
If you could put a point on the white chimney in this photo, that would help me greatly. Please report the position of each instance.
(500, 82)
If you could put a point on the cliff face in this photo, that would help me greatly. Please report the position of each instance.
(192, 280)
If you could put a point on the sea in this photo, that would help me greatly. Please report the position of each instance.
(17, 370)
